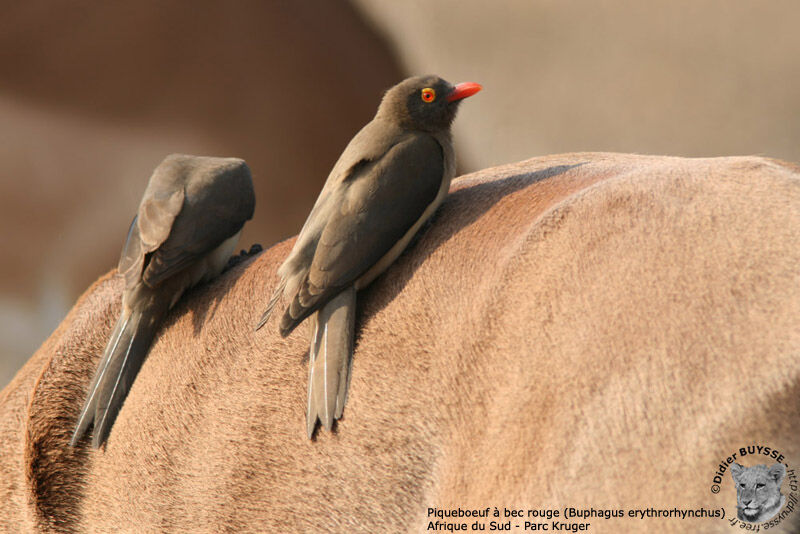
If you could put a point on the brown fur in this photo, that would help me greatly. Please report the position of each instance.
(576, 330)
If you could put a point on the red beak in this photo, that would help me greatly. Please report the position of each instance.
(463, 90)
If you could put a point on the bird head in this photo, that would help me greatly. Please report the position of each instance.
(425, 103)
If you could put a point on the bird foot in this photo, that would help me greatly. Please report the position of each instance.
(243, 255)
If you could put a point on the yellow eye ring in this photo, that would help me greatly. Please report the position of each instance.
(428, 94)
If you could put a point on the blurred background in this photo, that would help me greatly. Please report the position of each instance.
(93, 95)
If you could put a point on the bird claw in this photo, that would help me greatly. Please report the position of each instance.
(233, 261)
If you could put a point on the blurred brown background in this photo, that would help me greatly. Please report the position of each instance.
(94, 94)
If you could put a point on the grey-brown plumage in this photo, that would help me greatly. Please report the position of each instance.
(388, 181)
(186, 228)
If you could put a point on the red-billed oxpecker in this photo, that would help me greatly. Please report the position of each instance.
(388, 181)
(187, 226)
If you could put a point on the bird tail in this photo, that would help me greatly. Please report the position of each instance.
(276, 296)
(330, 359)
(122, 358)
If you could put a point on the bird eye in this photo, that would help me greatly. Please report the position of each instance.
(428, 94)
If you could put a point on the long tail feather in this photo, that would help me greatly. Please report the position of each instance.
(122, 371)
(276, 296)
(126, 350)
(312, 410)
(87, 412)
(330, 358)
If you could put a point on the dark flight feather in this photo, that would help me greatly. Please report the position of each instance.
(403, 184)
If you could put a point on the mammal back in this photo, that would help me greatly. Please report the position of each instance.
(568, 329)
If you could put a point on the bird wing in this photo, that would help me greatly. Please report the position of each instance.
(369, 145)
(190, 207)
(215, 206)
(374, 209)
(149, 229)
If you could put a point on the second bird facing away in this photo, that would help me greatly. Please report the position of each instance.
(389, 180)
(185, 230)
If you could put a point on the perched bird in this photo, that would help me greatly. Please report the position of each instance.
(186, 228)
(388, 181)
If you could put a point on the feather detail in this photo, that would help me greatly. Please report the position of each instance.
(86, 416)
(276, 296)
(330, 359)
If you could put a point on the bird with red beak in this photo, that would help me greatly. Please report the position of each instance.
(387, 183)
